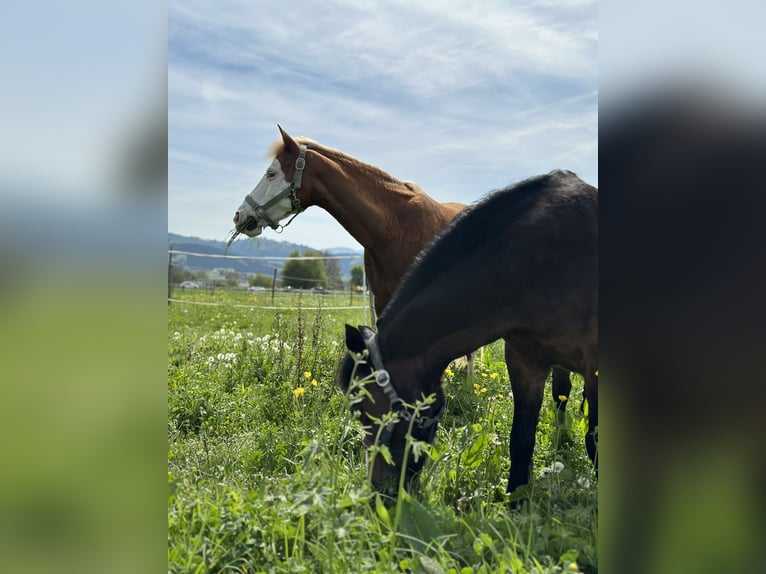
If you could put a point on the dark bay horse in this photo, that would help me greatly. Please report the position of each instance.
(393, 220)
(519, 265)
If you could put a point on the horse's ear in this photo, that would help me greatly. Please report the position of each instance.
(354, 339)
(290, 143)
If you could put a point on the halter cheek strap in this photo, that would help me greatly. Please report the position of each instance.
(291, 191)
(383, 380)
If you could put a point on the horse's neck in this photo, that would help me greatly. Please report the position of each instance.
(369, 208)
(436, 332)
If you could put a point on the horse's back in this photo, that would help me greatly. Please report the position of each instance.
(525, 255)
(540, 218)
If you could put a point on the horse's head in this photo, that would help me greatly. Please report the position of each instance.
(281, 192)
(393, 389)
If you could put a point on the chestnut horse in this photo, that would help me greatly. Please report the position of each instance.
(393, 220)
(521, 265)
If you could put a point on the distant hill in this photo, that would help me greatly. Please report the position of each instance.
(258, 247)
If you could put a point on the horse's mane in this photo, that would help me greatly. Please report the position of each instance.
(343, 158)
(496, 210)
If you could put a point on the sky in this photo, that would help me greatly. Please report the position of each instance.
(460, 97)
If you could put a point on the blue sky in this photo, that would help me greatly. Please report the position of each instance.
(460, 97)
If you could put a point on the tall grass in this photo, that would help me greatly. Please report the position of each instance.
(266, 472)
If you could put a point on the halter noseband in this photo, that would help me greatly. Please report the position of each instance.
(397, 404)
(291, 190)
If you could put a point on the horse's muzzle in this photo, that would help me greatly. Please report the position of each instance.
(247, 225)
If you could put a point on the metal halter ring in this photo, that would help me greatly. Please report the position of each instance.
(382, 378)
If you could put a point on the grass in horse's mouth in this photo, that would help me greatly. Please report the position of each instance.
(248, 225)
(234, 234)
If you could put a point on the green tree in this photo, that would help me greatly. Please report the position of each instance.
(332, 268)
(357, 276)
(304, 273)
(178, 273)
(260, 280)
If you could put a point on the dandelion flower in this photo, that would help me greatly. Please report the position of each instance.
(314, 382)
(449, 372)
(493, 375)
(563, 397)
(596, 373)
(484, 389)
(299, 392)
(484, 375)
(307, 374)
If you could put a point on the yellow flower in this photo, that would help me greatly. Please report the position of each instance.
(307, 374)
(314, 382)
(484, 389)
(493, 375)
(449, 372)
(563, 397)
(484, 375)
(596, 373)
(299, 392)
(476, 386)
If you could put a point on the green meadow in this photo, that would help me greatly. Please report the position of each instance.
(266, 472)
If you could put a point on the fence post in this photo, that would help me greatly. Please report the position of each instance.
(273, 285)
(364, 292)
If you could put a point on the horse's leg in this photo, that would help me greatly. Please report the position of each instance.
(562, 386)
(471, 358)
(528, 385)
(591, 438)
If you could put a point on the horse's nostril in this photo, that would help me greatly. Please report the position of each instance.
(236, 218)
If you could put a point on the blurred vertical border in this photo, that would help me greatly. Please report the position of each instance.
(682, 150)
(83, 212)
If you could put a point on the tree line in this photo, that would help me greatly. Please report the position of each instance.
(296, 273)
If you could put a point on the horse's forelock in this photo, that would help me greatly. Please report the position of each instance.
(275, 148)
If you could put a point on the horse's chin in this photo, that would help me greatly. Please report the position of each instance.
(255, 232)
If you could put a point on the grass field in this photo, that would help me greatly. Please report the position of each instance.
(266, 471)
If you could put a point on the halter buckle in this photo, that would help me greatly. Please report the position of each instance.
(382, 378)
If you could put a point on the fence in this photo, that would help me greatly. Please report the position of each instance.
(281, 298)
